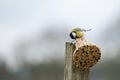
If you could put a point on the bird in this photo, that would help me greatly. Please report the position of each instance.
(77, 33)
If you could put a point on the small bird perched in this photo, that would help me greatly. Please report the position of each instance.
(77, 33)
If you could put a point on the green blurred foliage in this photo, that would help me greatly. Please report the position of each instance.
(54, 70)
(47, 71)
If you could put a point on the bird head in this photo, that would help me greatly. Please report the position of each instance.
(77, 33)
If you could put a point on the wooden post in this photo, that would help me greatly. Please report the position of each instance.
(70, 72)
(87, 71)
(68, 61)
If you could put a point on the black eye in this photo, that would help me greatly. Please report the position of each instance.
(73, 35)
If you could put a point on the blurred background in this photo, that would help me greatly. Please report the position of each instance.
(33, 35)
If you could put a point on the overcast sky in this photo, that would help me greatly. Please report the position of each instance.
(25, 17)
(37, 12)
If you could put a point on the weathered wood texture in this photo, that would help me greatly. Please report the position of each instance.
(70, 72)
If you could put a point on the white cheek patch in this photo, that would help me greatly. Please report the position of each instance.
(74, 35)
